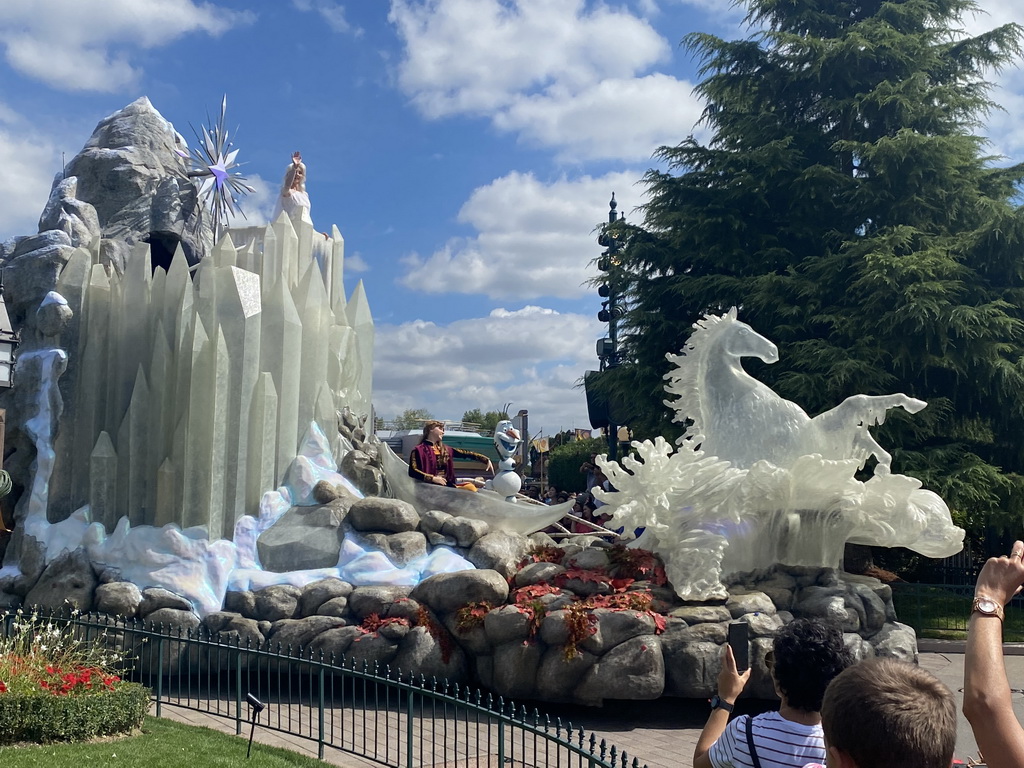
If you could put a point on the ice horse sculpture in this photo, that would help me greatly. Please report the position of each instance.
(755, 481)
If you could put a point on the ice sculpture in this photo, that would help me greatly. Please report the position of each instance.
(755, 481)
(193, 393)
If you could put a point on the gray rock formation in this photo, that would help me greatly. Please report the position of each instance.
(67, 582)
(534, 643)
(305, 537)
(130, 172)
(119, 598)
(384, 515)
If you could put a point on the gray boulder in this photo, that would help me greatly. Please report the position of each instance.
(317, 593)
(896, 641)
(372, 649)
(360, 467)
(446, 592)
(420, 653)
(381, 514)
(740, 603)
(699, 614)
(336, 606)
(500, 551)
(433, 520)
(174, 620)
(634, 669)
(155, 598)
(536, 573)
(335, 643)
(277, 602)
(304, 538)
(67, 582)
(298, 633)
(367, 600)
(465, 530)
(691, 667)
(832, 603)
(591, 558)
(33, 563)
(558, 676)
(436, 539)
(615, 627)
(241, 601)
(506, 624)
(515, 669)
(119, 598)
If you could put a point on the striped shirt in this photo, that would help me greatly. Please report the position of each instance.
(779, 743)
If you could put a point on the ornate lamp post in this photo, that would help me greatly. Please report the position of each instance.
(611, 311)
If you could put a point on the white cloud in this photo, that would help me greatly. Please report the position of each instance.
(534, 239)
(332, 13)
(257, 206)
(623, 118)
(85, 44)
(531, 357)
(28, 161)
(991, 14)
(559, 72)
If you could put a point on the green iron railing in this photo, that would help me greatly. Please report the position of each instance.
(943, 610)
(378, 713)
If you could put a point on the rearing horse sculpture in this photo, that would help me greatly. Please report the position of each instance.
(741, 420)
(755, 481)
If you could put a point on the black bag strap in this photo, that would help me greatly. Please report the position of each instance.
(750, 742)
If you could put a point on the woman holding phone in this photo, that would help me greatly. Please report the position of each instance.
(806, 655)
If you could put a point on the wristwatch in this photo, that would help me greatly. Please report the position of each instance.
(986, 606)
(717, 702)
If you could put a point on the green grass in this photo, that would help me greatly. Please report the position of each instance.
(162, 743)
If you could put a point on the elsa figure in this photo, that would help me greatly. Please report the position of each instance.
(293, 199)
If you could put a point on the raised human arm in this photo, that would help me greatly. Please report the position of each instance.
(464, 454)
(987, 702)
(730, 685)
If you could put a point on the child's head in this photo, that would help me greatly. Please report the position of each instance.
(888, 712)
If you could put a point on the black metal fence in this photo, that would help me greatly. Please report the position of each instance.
(943, 610)
(378, 713)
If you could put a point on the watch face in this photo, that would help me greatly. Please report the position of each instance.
(987, 606)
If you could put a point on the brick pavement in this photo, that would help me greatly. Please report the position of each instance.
(661, 734)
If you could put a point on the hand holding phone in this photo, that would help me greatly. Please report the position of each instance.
(739, 641)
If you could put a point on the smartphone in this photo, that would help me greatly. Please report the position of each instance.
(739, 641)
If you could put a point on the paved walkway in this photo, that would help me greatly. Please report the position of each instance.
(660, 733)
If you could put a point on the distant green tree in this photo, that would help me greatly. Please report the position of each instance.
(487, 421)
(844, 205)
(564, 463)
(412, 418)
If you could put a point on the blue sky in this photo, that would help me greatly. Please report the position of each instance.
(466, 149)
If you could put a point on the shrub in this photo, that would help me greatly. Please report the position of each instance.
(55, 687)
(43, 717)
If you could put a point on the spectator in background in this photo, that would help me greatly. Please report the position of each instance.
(589, 468)
(884, 712)
(988, 704)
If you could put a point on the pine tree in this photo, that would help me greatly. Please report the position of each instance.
(844, 204)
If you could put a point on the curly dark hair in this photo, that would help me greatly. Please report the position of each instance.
(808, 654)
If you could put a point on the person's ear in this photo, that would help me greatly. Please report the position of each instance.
(839, 759)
